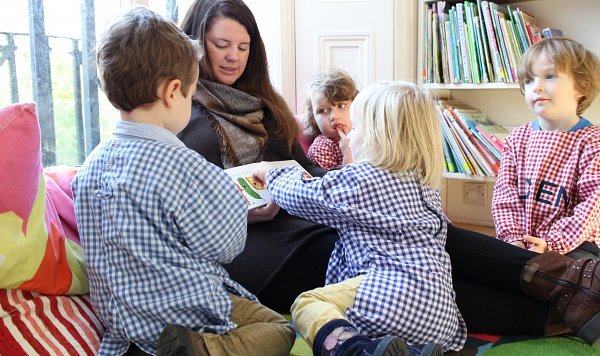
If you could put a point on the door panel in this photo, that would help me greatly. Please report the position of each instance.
(354, 35)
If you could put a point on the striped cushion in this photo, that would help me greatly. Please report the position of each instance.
(38, 324)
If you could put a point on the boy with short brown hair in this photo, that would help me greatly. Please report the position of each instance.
(156, 220)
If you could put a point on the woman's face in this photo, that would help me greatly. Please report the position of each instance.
(228, 48)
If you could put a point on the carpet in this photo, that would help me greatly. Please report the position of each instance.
(494, 345)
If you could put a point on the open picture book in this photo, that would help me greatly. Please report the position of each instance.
(255, 194)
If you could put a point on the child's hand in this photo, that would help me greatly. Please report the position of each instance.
(539, 245)
(345, 147)
(259, 174)
(264, 213)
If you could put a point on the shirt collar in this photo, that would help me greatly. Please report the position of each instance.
(147, 131)
(583, 123)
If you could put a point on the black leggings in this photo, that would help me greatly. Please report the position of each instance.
(486, 275)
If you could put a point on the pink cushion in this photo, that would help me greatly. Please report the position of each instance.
(39, 244)
(305, 141)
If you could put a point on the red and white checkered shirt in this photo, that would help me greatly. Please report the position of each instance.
(325, 152)
(549, 186)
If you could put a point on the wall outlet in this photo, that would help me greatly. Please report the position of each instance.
(460, 210)
(474, 193)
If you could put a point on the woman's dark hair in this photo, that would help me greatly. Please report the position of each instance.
(255, 79)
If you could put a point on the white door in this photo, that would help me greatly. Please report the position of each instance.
(354, 35)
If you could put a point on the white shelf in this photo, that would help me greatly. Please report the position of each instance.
(471, 86)
(469, 177)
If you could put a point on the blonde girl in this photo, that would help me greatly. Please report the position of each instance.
(389, 285)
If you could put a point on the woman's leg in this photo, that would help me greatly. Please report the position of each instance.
(283, 258)
(486, 275)
(303, 270)
(495, 311)
(485, 260)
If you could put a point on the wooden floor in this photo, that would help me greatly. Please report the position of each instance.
(488, 230)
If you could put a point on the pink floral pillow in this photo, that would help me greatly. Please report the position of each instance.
(39, 244)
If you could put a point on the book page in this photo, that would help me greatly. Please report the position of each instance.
(254, 194)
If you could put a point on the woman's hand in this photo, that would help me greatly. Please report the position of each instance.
(345, 147)
(538, 245)
(264, 213)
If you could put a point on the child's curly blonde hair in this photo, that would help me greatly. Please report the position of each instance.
(336, 85)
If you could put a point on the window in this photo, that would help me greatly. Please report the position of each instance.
(62, 86)
(63, 137)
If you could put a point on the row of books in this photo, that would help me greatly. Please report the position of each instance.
(477, 42)
(473, 143)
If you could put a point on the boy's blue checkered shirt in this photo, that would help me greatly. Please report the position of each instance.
(156, 222)
(393, 231)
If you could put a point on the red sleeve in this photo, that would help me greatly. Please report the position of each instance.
(507, 208)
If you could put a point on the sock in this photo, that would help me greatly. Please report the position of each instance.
(331, 335)
(336, 338)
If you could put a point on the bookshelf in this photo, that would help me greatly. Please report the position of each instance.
(503, 102)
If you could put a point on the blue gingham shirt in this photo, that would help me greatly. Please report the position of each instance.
(156, 222)
(393, 231)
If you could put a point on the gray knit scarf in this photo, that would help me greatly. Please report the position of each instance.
(237, 117)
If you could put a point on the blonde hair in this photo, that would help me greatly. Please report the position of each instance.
(336, 85)
(401, 130)
(568, 57)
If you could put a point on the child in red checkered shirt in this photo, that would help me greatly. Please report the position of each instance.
(327, 119)
(547, 195)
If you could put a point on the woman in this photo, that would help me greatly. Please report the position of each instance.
(239, 118)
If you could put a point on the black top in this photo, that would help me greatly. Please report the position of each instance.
(273, 244)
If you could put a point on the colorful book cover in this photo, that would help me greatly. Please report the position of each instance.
(435, 54)
(458, 72)
(500, 75)
(442, 19)
(470, 160)
(500, 39)
(427, 59)
(493, 132)
(507, 42)
(468, 142)
(524, 19)
(462, 36)
(520, 42)
(529, 24)
(450, 53)
(471, 43)
(448, 158)
(551, 32)
(461, 164)
(482, 53)
(256, 195)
